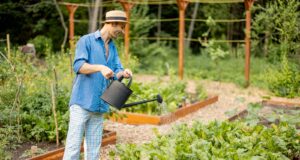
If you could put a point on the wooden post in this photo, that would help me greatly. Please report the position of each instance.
(8, 46)
(248, 5)
(54, 113)
(127, 6)
(71, 9)
(182, 4)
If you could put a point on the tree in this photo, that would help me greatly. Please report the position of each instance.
(93, 15)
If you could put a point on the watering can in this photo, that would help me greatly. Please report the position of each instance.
(117, 93)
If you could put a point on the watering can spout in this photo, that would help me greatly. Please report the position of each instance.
(158, 99)
(117, 94)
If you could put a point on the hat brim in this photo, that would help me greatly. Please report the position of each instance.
(116, 21)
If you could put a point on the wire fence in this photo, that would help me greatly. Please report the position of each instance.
(149, 2)
(172, 20)
(160, 2)
(186, 39)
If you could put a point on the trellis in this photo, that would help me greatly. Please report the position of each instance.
(182, 5)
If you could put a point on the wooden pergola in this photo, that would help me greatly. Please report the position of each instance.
(182, 5)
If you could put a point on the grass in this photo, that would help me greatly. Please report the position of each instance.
(230, 69)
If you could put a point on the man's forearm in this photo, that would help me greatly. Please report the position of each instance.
(87, 68)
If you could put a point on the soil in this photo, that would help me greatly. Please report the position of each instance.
(45, 146)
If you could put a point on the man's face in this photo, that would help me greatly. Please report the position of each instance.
(116, 29)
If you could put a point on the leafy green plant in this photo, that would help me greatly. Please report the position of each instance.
(173, 93)
(43, 45)
(259, 114)
(279, 35)
(28, 153)
(286, 81)
(27, 109)
(218, 140)
(8, 141)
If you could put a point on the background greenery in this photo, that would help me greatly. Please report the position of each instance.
(25, 82)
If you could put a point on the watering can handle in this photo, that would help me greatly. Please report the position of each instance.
(129, 83)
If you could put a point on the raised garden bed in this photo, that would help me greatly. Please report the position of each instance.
(109, 137)
(272, 112)
(281, 104)
(268, 105)
(138, 118)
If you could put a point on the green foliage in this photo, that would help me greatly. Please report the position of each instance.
(132, 62)
(43, 45)
(215, 51)
(279, 35)
(173, 94)
(37, 116)
(3, 74)
(259, 114)
(27, 108)
(286, 81)
(147, 52)
(218, 140)
(8, 141)
(28, 153)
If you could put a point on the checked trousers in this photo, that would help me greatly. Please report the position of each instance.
(87, 124)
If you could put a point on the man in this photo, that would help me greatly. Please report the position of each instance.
(96, 61)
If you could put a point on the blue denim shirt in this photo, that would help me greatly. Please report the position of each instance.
(87, 88)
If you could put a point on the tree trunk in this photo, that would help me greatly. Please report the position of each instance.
(63, 23)
(191, 28)
(159, 22)
(91, 13)
(230, 31)
(94, 17)
(100, 15)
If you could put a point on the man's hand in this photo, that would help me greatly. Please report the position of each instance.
(127, 73)
(106, 72)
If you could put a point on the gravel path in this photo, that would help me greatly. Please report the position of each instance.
(230, 97)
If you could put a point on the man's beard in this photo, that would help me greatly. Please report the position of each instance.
(117, 34)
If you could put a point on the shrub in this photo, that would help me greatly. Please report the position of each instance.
(286, 81)
(43, 45)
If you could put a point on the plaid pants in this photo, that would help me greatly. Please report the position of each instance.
(88, 123)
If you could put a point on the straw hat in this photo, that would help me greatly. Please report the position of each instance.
(115, 16)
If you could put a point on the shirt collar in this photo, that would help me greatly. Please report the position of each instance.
(97, 35)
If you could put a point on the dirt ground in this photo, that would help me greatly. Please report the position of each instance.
(231, 97)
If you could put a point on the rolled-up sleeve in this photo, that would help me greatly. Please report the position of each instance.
(81, 54)
(117, 66)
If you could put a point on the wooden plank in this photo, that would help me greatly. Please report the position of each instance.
(109, 137)
(241, 114)
(270, 103)
(281, 104)
(194, 107)
(138, 118)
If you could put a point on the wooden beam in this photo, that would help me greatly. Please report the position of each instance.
(248, 5)
(182, 4)
(127, 6)
(71, 8)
